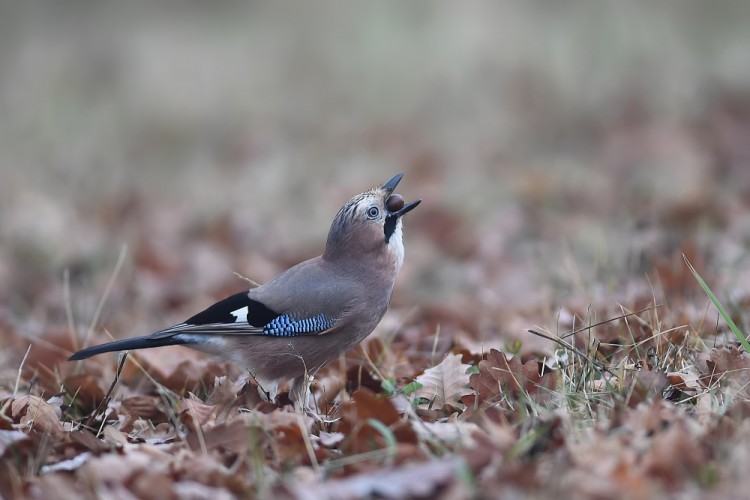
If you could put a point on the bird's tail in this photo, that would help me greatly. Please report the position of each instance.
(144, 342)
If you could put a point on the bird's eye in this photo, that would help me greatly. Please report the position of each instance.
(373, 212)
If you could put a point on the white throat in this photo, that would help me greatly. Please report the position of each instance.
(396, 247)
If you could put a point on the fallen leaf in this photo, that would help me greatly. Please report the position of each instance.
(232, 436)
(444, 384)
(11, 439)
(730, 366)
(645, 383)
(412, 480)
(456, 433)
(361, 435)
(499, 377)
(674, 455)
(32, 412)
(85, 387)
(144, 407)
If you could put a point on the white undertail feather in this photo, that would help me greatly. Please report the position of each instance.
(204, 342)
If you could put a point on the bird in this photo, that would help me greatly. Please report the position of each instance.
(290, 327)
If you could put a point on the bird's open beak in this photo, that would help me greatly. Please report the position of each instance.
(391, 184)
(407, 208)
(400, 208)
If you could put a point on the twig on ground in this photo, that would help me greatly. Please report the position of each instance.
(104, 402)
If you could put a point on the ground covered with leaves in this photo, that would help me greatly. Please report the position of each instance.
(643, 406)
(546, 336)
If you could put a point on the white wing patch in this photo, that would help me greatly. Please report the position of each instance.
(240, 315)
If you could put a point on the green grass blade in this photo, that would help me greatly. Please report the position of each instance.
(387, 434)
(722, 311)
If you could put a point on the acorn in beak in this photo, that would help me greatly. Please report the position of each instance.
(395, 203)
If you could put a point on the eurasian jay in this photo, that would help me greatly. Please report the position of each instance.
(296, 323)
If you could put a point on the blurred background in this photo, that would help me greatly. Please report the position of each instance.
(567, 154)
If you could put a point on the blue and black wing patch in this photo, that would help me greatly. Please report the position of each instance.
(287, 326)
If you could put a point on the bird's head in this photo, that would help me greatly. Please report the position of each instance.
(370, 223)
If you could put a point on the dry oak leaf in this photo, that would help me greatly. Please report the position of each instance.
(232, 436)
(729, 359)
(456, 432)
(645, 383)
(198, 471)
(674, 455)
(444, 384)
(218, 407)
(179, 369)
(195, 413)
(356, 425)
(62, 486)
(731, 365)
(136, 471)
(685, 380)
(499, 375)
(145, 407)
(605, 467)
(422, 480)
(9, 440)
(291, 448)
(32, 412)
(86, 388)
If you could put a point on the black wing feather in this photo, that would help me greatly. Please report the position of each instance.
(257, 313)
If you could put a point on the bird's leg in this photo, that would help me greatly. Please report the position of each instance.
(269, 395)
(300, 394)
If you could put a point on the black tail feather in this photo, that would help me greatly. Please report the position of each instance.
(145, 342)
